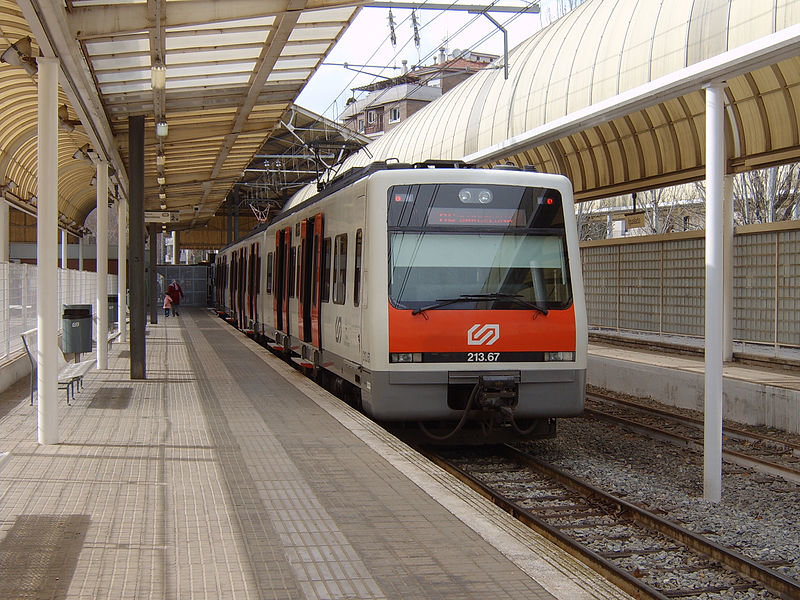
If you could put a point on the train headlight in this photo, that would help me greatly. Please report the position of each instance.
(559, 356)
(475, 196)
(405, 357)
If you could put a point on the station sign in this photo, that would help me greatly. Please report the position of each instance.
(634, 220)
(160, 216)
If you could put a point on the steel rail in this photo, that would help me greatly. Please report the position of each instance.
(732, 432)
(619, 577)
(732, 456)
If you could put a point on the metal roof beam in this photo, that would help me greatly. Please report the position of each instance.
(276, 38)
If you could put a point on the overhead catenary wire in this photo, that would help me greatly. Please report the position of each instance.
(433, 51)
(332, 172)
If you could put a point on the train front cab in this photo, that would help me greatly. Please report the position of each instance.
(486, 318)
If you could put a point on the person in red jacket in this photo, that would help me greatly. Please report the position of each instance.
(175, 292)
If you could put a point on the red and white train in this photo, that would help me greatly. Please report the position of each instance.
(449, 299)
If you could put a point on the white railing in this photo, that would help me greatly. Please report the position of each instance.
(18, 300)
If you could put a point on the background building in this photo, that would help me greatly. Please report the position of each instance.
(389, 102)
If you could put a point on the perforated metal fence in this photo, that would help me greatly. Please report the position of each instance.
(193, 279)
(18, 300)
(657, 284)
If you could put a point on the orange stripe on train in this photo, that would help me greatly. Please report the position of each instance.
(488, 330)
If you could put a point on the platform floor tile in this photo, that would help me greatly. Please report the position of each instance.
(225, 474)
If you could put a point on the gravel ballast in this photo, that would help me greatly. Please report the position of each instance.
(759, 515)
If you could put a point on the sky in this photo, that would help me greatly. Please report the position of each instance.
(367, 42)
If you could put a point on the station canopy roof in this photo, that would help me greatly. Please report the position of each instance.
(232, 70)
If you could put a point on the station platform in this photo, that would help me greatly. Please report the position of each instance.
(227, 474)
(757, 394)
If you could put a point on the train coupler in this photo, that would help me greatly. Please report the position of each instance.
(496, 392)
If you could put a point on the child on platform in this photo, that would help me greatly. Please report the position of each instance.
(167, 304)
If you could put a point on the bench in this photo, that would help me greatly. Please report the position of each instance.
(70, 375)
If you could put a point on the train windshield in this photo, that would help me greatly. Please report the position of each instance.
(504, 250)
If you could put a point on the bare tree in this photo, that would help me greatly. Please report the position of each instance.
(591, 222)
(668, 209)
(766, 195)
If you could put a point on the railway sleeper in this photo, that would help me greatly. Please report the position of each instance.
(643, 552)
(712, 589)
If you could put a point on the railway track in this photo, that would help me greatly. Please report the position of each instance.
(771, 455)
(643, 554)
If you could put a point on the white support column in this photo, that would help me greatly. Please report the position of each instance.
(727, 262)
(5, 244)
(102, 264)
(80, 254)
(715, 233)
(5, 237)
(122, 268)
(174, 247)
(64, 247)
(47, 252)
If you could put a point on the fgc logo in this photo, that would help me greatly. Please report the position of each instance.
(483, 334)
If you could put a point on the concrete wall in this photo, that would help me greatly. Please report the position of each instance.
(745, 401)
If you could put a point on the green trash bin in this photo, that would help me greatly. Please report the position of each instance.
(77, 327)
(113, 309)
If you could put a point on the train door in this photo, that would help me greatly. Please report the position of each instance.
(251, 287)
(257, 284)
(309, 296)
(241, 287)
(316, 282)
(277, 288)
(232, 288)
(303, 325)
(283, 242)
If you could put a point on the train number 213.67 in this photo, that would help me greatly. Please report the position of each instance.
(483, 356)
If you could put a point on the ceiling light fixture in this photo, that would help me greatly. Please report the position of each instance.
(161, 160)
(162, 129)
(161, 180)
(20, 54)
(163, 206)
(158, 75)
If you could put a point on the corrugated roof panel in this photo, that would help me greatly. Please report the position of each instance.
(215, 40)
(748, 21)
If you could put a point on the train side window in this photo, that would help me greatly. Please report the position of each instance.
(299, 278)
(340, 269)
(357, 279)
(326, 272)
(292, 262)
(269, 273)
